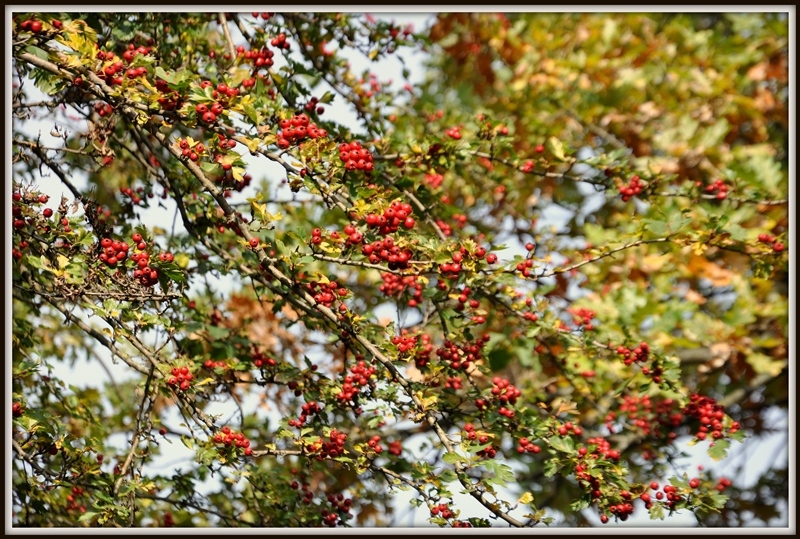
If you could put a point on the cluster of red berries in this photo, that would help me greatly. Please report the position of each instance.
(503, 391)
(671, 493)
(442, 510)
(227, 437)
(308, 409)
(264, 16)
(387, 250)
(103, 109)
(471, 434)
(316, 236)
(211, 364)
(709, 415)
(261, 58)
(308, 495)
(360, 375)
(454, 133)
(587, 481)
(326, 293)
(356, 157)
(446, 229)
(434, 180)
(769, 239)
(35, 26)
(582, 316)
(488, 452)
(395, 448)
(650, 417)
(333, 448)
(191, 151)
(398, 213)
(633, 188)
(526, 446)
(16, 409)
(168, 520)
(723, 483)
(340, 506)
(621, 510)
(114, 251)
(525, 267)
(372, 84)
(297, 129)
(135, 195)
(396, 285)
(261, 359)
(568, 427)
(112, 72)
(461, 357)
(145, 274)
(313, 106)
(181, 378)
(135, 72)
(453, 382)
(375, 444)
(469, 428)
(170, 99)
(603, 449)
(209, 114)
(527, 167)
(638, 354)
(222, 92)
(280, 41)
(718, 189)
(73, 504)
(411, 343)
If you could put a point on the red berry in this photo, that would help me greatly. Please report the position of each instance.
(491, 258)
(254, 242)
(48, 212)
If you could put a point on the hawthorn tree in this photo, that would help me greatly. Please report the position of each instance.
(556, 381)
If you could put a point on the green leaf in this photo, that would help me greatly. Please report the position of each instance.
(217, 333)
(719, 450)
(171, 270)
(556, 148)
(563, 444)
(451, 457)
(659, 228)
(657, 512)
(37, 52)
(550, 467)
(499, 358)
(88, 515)
(252, 113)
(187, 441)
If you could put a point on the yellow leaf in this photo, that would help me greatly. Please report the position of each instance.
(763, 364)
(699, 248)
(525, 498)
(702, 267)
(63, 261)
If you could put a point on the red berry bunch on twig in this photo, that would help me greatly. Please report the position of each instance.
(355, 157)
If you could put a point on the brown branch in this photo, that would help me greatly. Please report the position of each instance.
(224, 23)
(566, 269)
